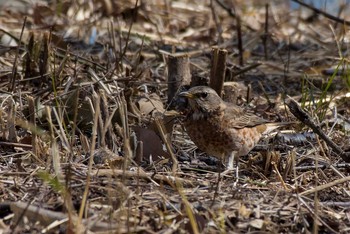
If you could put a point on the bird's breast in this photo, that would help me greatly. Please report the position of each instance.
(209, 136)
(213, 137)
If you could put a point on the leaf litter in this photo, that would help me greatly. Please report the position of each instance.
(86, 79)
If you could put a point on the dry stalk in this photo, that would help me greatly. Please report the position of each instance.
(2, 125)
(54, 149)
(170, 180)
(218, 69)
(240, 40)
(179, 74)
(12, 82)
(105, 115)
(75, 116)
(311, 210)
(290, 164)
(61, 131)
(324, 186)
(123, 112)
(128, 35)
(11, 122)
(52, 219)
(265, 36)
(179, 185)
(32, 117)
(56, 161)
(96, 98)
(216, 21)
(167, 142)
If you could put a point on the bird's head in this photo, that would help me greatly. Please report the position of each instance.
(203, 99)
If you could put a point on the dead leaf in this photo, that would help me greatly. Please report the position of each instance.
(152, 144)
(148, 105)
(257, 223)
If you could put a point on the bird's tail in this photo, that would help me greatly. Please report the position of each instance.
(272, 126)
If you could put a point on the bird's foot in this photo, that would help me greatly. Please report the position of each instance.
(230, 172)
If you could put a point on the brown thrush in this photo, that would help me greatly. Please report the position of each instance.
(222, 129)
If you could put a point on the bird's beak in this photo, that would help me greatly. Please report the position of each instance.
(186, 94)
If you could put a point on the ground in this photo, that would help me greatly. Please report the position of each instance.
(90, 78)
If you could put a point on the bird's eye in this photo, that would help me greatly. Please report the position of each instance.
(204, 95)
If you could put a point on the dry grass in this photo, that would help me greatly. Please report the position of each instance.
(82, 79)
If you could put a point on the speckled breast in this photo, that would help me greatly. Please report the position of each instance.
(215, 140)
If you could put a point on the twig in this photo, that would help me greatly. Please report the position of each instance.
(265, 36)
(160, 127)
(129, 31)
(148, 176)
(240, 40)
(325, 14)
(230, 11)
(247, 68)
(14, 68)
(311, 210)
(306, 168)
(14, 144)
(336, 204)
(216, 21)
(47, 217)
(304, 117)
(324, 186)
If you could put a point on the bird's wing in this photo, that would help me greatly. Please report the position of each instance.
(241, 118)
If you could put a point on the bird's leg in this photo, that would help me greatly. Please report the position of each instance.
(234, 157)
(230, 167)
(237, 169)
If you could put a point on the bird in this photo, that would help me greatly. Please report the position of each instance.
(222, 129)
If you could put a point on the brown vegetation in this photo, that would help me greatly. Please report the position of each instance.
(89, 140)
